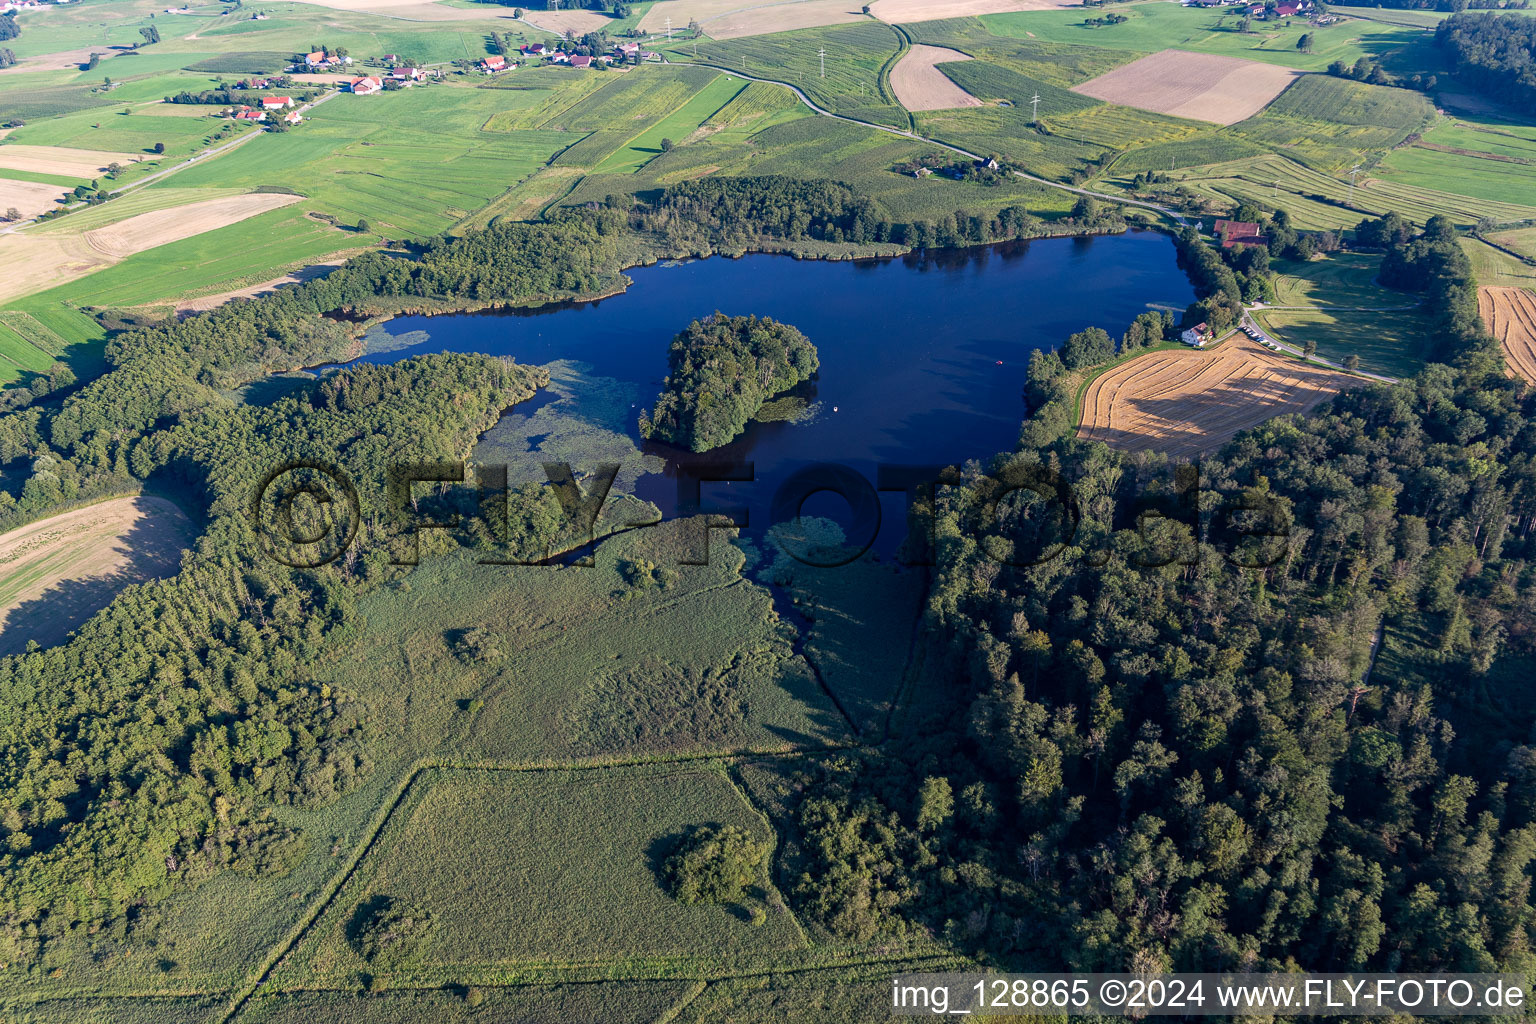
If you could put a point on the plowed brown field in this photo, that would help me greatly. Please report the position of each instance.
(1185, 402)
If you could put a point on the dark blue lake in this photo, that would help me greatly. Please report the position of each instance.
(922, 357)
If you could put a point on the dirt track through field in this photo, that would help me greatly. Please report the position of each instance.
(1185, 402)
(31, 262)
(71, 163)
(920, 85)
(1200, 86)
(55, 574)
(1510, 315)
(899, 12)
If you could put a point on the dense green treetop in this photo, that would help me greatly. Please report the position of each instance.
(720, 371)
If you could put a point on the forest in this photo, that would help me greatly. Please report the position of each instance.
(9, 29)
(1494, 54)
(720, 371)
(1174, 750)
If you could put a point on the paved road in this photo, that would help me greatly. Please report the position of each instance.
(1173, 215)
(195, 158)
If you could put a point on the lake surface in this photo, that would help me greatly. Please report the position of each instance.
(923, 358)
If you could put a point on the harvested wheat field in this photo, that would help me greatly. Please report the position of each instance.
(71, 163)
(900, 12)
(410, 10)
(1185, 402)
(33, 261)
(920, 85)
(561, 22)
(1510, 314)
(784, 17)
(57, 573)
(1200, 86)
(735, 19)
(29, 198)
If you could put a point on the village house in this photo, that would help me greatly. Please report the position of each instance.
(580, 61)
(293, 117)
(318, 59)
(407, 74)
(626, 50)
(365, 86)
(1197, 336)
(251, 115)
(493, 64)
(276, 102)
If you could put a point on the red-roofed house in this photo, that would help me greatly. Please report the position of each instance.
(293, 117)
(405, 74)
(579, 61)
(1287, 10)
(493, 64)
(1235, 233)
(558, 57)
(365, 86)
(533, 49)
(276, 102)
(1197, 335)
(251, 115)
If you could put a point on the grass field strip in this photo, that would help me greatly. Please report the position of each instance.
(391, 805)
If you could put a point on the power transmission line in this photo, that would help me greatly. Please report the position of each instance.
(822, 53)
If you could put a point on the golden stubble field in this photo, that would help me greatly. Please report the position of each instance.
(32, 261)
(70, 163)
(1188, 401)
(58, 572)
(1200, 86)
(734, 19)
(1510, 315)
(29, 198)
(920, 85)
(900, 12)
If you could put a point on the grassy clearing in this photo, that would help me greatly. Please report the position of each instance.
(1007, 131)
(856, 55)
(676, 126)
(1493, 268)
(1496, 181)
(987, 80)
(1317, 200)
(411, 163)
(251, 251)
(1121, 127)
(1337, 279)
(549, 868)
(1332, 124)
(1386, 342)
(630, 1002)
(1054, 64)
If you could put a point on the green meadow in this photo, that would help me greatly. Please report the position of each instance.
(578, 889)
(1162, 26)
